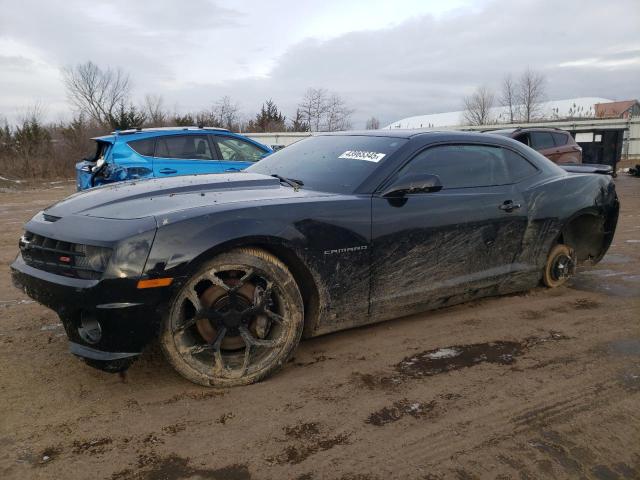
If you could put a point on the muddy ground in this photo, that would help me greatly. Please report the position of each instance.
(545, 384)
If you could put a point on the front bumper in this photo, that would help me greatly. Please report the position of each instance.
(129, 318)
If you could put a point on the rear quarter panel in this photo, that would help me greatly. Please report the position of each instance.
(554, 202)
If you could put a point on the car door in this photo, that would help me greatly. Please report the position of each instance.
(184, 154)
(236, 154)
(543, 143)
(429, 247)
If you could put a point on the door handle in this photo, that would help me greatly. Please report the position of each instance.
(232, 170)
(168, 170)
(508, 206)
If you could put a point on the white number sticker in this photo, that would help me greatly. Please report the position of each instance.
(362, 155)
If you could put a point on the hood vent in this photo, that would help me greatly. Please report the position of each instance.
(50, 218)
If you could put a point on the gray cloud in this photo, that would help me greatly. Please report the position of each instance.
(195, 52)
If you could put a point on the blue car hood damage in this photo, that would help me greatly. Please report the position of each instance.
(159, 197)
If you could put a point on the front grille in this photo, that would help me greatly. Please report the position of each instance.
(64, 258)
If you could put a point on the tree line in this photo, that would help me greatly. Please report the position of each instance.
(102, 101)
(103, 96)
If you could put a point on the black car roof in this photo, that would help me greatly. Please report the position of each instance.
(396, 133)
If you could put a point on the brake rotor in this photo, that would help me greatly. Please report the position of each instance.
(217, 297)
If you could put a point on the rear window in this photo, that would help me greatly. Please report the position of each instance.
(143, 147)
(541, 140)
(559, 138)
(518, 167)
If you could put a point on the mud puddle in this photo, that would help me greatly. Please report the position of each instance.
(442, 360)
(433, 362)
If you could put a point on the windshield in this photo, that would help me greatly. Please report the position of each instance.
(336, 164)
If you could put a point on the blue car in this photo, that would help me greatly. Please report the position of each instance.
(165, 152)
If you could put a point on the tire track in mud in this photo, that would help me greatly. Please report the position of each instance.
(510, 421)
(471, 433)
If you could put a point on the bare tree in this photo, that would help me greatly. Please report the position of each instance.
(225, 111)
(314, 107)
(298, 123)
(531, 94)
(338, 114)
(373, 124)
(509, 97)
(154, 111)
(324, 111)
(96, 92)
(477, 106)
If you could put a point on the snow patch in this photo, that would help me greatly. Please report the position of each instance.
(444, 353)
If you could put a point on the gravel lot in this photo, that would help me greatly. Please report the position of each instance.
(544, 384)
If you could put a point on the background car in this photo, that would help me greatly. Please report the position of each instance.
(164, 152)
(555, 144)
(230, 271)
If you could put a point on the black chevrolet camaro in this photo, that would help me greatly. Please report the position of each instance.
(332, 232)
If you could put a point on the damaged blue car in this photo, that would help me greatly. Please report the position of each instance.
(165, 152)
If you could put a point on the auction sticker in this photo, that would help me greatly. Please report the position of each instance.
(362, 155)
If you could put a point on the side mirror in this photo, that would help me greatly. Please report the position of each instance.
(416, 183)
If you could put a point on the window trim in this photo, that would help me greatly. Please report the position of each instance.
(393, 175)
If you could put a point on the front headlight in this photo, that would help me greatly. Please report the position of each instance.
(92, 258)
(130, 255)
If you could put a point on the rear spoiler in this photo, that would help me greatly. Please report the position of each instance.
(587, 168)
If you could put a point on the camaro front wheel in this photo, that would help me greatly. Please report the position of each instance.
(236, 320)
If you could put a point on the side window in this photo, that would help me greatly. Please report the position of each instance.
(522, 138)
(191, 147)
(234, 149)
(541, 140)
(518, 167)
(559, 138)
(461, 166)
(144, 146)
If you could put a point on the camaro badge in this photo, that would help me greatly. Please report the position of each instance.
(345, 250)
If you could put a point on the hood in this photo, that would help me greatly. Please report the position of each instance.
(155, 197)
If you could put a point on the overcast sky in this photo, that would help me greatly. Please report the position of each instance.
(390, 59)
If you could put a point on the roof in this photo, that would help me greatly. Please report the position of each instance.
(164, 129)
(614, 109)
(148, 132)
(404, 133)
(583, 106)
(504, 131)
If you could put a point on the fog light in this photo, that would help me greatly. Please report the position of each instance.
(89, 330)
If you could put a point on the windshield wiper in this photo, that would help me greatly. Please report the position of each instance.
(292, 182)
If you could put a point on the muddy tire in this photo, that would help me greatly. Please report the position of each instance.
(236, 321)
(559, 267)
